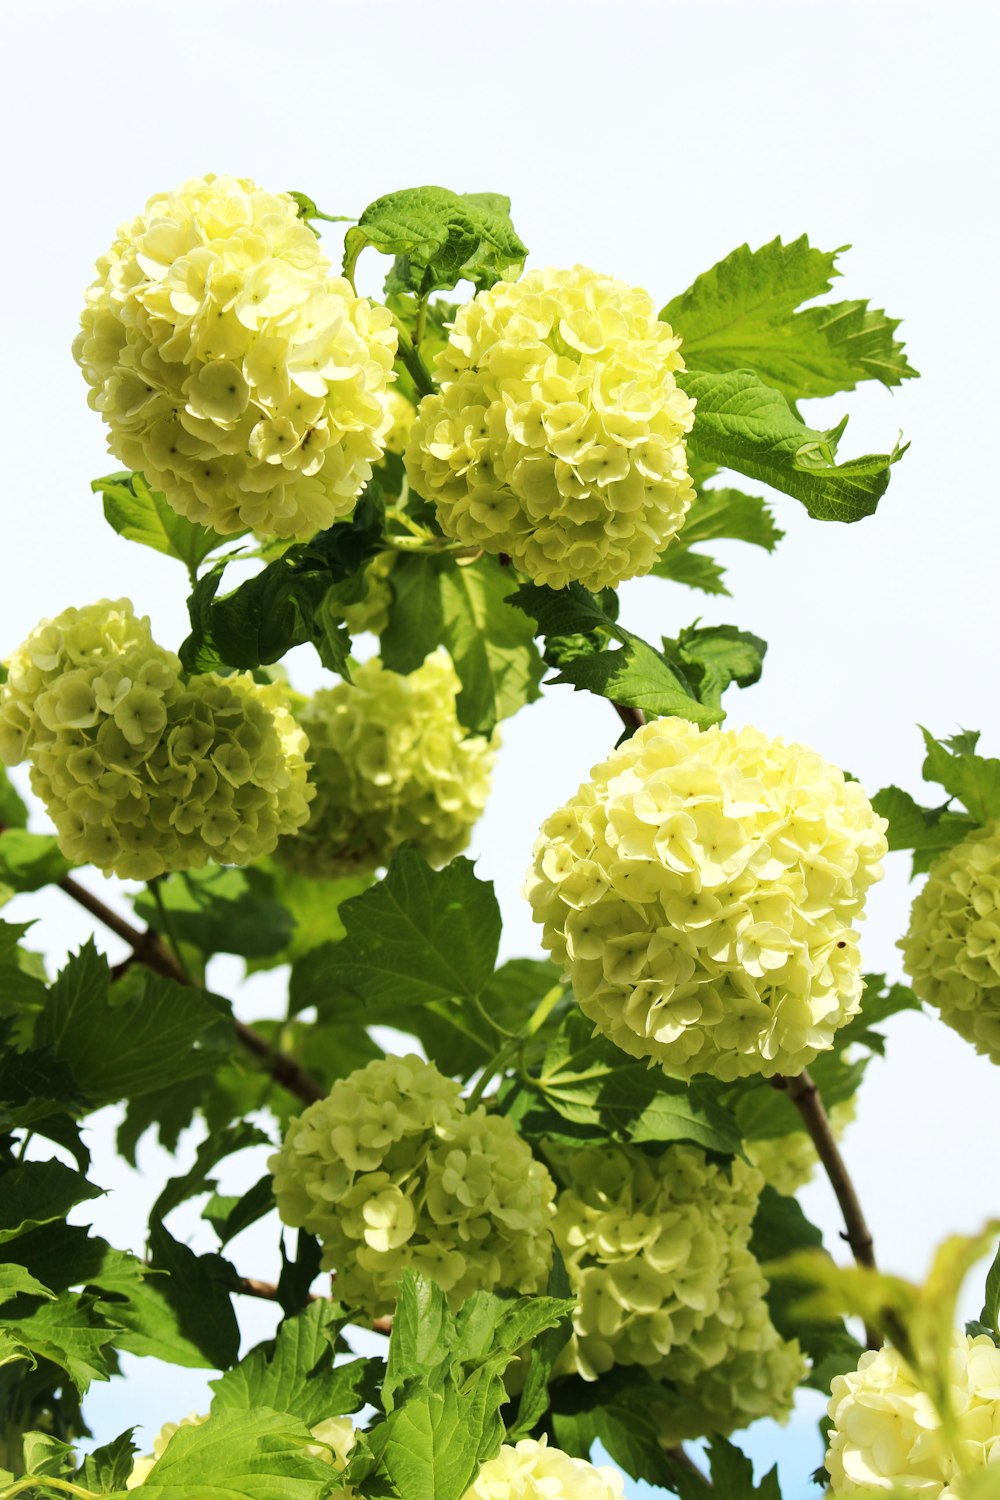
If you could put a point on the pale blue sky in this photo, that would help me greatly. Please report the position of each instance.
(647, 140)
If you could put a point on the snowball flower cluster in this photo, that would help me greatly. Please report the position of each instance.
(142, 771)
(952, 950)
(531, 1470)
(656, 1248)
(391, 764)
(701, 890)
(886, 1431)
(558, 434)
(335, 1437)
(390, 1171)
(787, 1162)
(246, 381)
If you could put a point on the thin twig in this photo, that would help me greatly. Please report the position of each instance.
(150, 951)
(683, 1460)
(632, 718)
(249, 1286)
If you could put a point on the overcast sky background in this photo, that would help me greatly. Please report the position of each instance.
(647, 140)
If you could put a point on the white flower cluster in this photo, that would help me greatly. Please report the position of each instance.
(701, 891)
(656, 1248)
(246, 381)
(390, 1172)
(391, 765)
(142, 771)
(886, 1432)
(531, 1470)
(952, 949)
(558, 433)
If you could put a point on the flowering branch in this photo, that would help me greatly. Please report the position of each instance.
(150, 951)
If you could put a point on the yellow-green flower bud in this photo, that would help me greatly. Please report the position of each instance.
(701, 893)
(391, 765)
(787, 1162)
(244, 379)
(886, 1431)
(530, 1470)
(656, 1251)
(558, 433)
(952, 950)
(141, 771)
(391, 1172)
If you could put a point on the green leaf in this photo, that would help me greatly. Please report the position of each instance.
(15, 1279)
(314, 907)
(973, 779)
(141, 514)
(295, 1372)
(258, 1455)
(727, 514)
(220, 909)
(545, 1350)
(308, 211)
(37, 1192)
(742, 313)
(745, 425)
(230, 1216)
(438, 238)
(990, 1314)
(418, 935)
(285, 604)
(144, 1033)
(732, 1473)
(635, 675)
(193, 1289)
(590, 1082)
(69, 1330)
(22, 989)
(108, 1468)
(217, 1147)
(714, 656)
(464, 609)
(696, 570)
(29, 861)
(13, 812)
(927, 831)
(618, 1411)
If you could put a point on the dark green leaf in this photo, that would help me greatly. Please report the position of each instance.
(143, 1033)
(745, 425)
(438, 238)
(220, 1145)
(108, 1468)
(230, 1216)
(37, 1192)
(29, 861)
(418, 935)
(973, 779)
(927, 831)
(220, 910)
(990, 1314)
(714, 656)
(195, 1294)
(619, 1411)
(141, 514)
(13, 813)
(464, 609)
(724, 514)
(696, 570)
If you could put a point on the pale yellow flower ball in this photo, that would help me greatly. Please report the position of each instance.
(887, 1432)
(142, 771)
(701, 892)
(244, 379)
(787, 1162)
(531, 1470)
(656, 1248)
(404, 414)
(558, 435)
(952, 950)
(391, 765)
(391, 1171)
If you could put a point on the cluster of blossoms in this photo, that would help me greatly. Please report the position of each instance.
(558, 434)
(335, 1437)
(787, 1162)
(887, 1434)
(656, 1248)
(952, 950)
(391, 764)
(141, 770)
(700, 892)
(246, 381)
(390, 1172)
(531, 1470)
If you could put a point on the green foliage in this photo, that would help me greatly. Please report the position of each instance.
(29, 861)
(438, 238)
(436, 603)
(294, 1372)
(966, 776)
(619, 1412)
(259, 1455)
(714, 656)
(220, 910)
(293, 600)
(716, 515)
(745, 425)
(742, 313)
(141, 514)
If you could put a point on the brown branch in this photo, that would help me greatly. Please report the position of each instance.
(632, 718)
(249, 1286)
(683, 1460)
(152, 952)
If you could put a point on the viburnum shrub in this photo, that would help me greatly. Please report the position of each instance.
(527, 1227)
